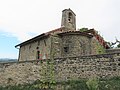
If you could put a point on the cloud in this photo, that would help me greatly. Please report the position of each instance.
(21, 18)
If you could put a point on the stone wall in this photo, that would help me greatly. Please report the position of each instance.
(114, 50)
(70, 44)
(75, 45)
(78, 45)
(29, 51)
(96, 47)
(104, 66)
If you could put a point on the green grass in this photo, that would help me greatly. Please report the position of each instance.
(110, 84)
(103, 84)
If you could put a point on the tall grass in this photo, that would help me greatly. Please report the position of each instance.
(90, 84)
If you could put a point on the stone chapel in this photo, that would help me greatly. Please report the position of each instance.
(65, 41)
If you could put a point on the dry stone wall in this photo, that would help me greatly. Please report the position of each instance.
(103, 66)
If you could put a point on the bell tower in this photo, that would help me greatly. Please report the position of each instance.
(68, 19)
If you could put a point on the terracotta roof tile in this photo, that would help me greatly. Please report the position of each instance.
(41, 36)
(75, 32)
(55, 30)
(33, 39)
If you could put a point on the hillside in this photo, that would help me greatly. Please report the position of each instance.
(7, 60)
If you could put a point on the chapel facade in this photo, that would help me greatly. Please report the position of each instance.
(65, 41)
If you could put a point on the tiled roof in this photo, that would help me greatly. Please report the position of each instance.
(98, 37)
(33, 39)
(40, 36)
(75, 33)
(61, 31)
(55, 31)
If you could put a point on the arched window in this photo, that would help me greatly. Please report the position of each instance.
(38, 55)
(70, 17)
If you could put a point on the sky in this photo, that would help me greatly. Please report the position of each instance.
(21, 20)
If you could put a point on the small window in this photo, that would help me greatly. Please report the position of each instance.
(38, 54)
(66, 49)
(69, 16)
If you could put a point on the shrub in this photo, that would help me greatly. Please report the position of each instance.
(92, 83)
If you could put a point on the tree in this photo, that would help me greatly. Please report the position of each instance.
(83, 29)
(113, 44)
(118, 46)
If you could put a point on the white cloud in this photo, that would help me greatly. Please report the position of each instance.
(19, 18)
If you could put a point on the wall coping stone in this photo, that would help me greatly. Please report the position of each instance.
(110, 55)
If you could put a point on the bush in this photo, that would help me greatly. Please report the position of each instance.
(91, 84)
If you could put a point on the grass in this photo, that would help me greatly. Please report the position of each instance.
(103, 84)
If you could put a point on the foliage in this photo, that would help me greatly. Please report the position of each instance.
(110, 84)
(100, 48)
(83, 29)
(90, 84)
(37, 85)
(74, 85)
(115, 44)
(118, 46)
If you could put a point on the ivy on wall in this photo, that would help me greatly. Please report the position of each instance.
(100, 49)
(83, 29)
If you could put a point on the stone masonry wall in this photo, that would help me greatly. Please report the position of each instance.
(29, 51)
(75, 45)
(104, 66)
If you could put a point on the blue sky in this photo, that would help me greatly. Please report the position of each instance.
(7, 49)
(21, 20)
